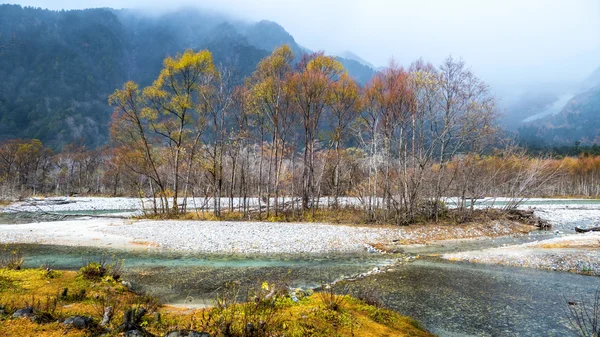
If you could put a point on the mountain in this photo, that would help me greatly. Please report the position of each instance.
(56, 79)
(351, 56)
(568, 119)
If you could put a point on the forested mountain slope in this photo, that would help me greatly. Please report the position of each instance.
(56, 79)
(578, 120)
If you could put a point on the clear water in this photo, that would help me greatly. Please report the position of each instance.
(448, 298)
(174, 277)
(462, 299)
(535, 202)
(453, 246)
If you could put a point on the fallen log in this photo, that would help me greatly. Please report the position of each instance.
(585, 230)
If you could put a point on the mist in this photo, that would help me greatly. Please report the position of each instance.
(513, 45)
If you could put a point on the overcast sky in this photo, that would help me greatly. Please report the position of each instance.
(506, 42)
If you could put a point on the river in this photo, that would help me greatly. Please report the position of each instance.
(448, 298)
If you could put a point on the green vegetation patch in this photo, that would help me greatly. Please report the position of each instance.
(55, 296)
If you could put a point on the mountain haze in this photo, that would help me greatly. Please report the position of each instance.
(565, 117)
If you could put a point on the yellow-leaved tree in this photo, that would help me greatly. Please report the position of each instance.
(164, 123)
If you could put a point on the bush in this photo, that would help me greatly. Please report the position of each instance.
(97, 270)
(427, 209)
(12, 259)
(330, 299)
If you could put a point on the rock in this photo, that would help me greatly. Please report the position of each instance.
(79, 322)
(25, 312)
(108, 312)
(135, 333)
(249, 329)
(187, 333)
(299, 293)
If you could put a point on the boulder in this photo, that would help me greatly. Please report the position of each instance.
(79, 322)
(25, 312)
(135, 333)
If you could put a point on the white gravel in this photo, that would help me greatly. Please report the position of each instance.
(84, 232)
(579, 253)
(248, 237)
(563, 214)
(200, 236)
(252, 237)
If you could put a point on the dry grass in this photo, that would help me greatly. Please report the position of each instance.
(571, 245)
(145, 243)
(342, 216)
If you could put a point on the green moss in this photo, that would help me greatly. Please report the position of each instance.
(311, 316)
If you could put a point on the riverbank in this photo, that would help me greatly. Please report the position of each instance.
(577, 253)
(64, 303)
(229, 237)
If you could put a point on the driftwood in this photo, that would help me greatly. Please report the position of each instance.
(585, 230)
(528, 217)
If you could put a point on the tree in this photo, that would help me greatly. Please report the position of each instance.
(177, 103)
(7, 43)
(311, 87)
(133, 140)
(271, 97)
(465, 115)
(345, 106)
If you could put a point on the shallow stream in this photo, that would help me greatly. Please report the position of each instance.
(448, 298)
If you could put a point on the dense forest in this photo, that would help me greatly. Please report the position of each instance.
(58, 75)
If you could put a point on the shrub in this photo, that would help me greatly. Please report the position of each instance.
(93, 271)
(11, 259)
(330, 299)
(97, 270)
(584, 317)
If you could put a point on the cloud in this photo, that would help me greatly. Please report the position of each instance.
(506, 42)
